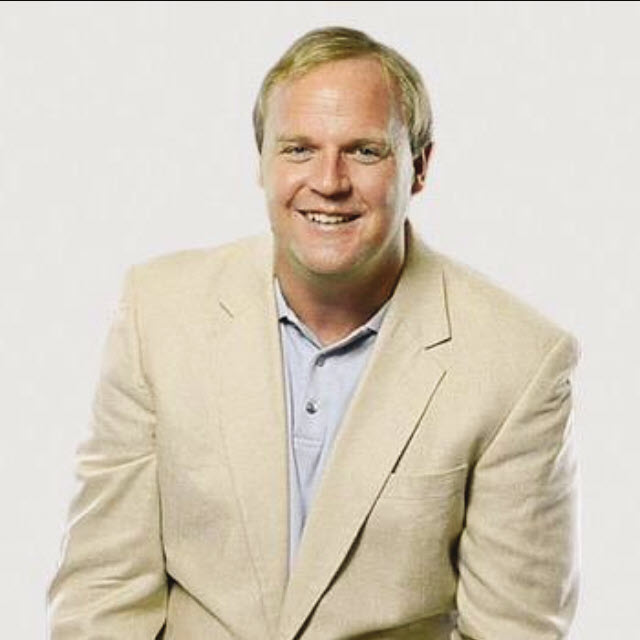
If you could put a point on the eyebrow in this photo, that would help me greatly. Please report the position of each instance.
(358, 142)
(294, 138)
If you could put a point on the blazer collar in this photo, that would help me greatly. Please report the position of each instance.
(418, 302)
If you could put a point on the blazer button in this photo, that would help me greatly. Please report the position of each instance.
(311, 406)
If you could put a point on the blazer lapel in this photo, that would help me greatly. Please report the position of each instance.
(252, 417)
(394, 391)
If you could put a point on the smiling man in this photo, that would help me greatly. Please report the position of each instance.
(332, 431)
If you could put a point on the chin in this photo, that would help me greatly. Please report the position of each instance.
(328, 268)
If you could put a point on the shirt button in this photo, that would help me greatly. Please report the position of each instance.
(320, 361)
(311, 406)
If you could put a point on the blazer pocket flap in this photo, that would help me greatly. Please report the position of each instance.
(425, 485)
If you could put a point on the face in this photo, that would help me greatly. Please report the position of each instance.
(337, 172)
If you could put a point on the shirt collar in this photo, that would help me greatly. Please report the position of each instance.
(285, 312)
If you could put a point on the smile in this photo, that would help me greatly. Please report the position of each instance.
(328, 219)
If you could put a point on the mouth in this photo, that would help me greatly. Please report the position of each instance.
(326, 219)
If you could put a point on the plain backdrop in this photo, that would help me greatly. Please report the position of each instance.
(125, 132)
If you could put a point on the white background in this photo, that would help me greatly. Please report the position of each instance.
(125, 132)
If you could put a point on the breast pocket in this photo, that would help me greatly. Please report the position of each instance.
(410, 539)
(425, 486)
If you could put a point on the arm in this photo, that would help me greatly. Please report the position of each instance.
(517, 554)
(111, 582)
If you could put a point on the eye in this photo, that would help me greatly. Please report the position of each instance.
(296, 152)
(367, 155)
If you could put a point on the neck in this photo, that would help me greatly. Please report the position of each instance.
(333, 307)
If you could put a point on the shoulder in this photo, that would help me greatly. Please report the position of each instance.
(190, 271)
(189, 263)
(496, 325)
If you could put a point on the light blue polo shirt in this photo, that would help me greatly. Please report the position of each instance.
(319, 383)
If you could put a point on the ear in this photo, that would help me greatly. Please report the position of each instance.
(420, 168)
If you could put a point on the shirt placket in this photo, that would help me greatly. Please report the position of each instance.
(310, 425)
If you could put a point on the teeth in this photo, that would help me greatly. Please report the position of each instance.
(322, 218)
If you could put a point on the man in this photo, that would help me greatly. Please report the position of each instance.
(336, 432)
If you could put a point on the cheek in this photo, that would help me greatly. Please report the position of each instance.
(380, 189)
(281, 185)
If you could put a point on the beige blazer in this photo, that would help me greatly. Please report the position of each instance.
(447, 509)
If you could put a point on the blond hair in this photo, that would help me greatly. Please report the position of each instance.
(339, 43)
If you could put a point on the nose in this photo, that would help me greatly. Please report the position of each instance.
(329, 176)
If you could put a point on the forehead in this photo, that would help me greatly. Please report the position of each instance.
(347, 93)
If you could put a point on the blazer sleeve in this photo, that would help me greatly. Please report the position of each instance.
(517, 556)
(111, 582)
